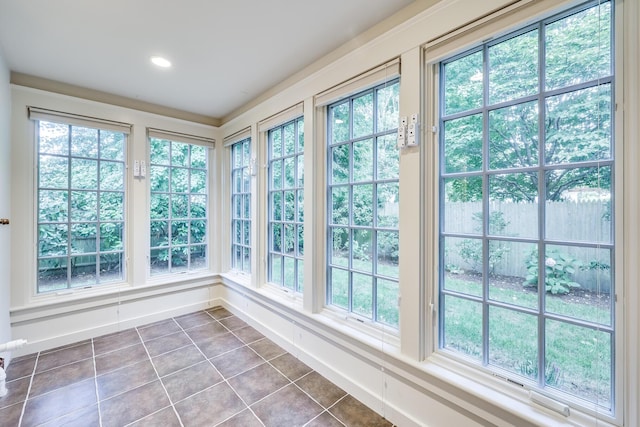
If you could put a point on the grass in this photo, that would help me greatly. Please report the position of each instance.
(578, 358)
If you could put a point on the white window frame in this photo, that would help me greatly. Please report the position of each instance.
(503, 22)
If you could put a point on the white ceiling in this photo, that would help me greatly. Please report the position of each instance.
(224, 52)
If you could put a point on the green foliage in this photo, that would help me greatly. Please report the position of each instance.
(559, 269)
(553, 375)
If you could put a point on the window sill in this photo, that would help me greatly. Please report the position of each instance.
(86, 298)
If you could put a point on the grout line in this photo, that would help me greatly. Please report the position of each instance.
(26, 398)
(160, 380)
(95, 380)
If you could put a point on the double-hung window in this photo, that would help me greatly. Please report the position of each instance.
(527, 208)
(178, 204)
(81, 202)
(363, 190)
(286, 205)
(241, 206)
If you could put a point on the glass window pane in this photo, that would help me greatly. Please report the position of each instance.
(159, 178)
(578, 282)
(463, 326)
(276, 143)
(300, 275)
(289, 205)
(179, 206)
(276, 206)
(388, 204)
(363, 205)
(340, 164)
(84, 174)
(363, 160)
(179, 180)
(198, 181)
(52, 274)
(111, 145)
(388, 253)
(111, 176)
(463, 144)
(111, 237)
(388, 108)
(513, 205)
(53, 172)
(300, 240)
(362, 250)
(339, 122)
(198, 206)
(339, 291)
(363, 115)
(83, 238)
(340, 247)
(276, 175)
(83, 271)
(463, 265)
(289, 172)
(388, 157)
(159, 151)
(578, 47)
(84, 142)
(463, 84)
(198, 157)
(198, 257)
(300, 206)
(52, 239)
(84, 206)
(198, 232)
(289, 239)
(513, 136)
(159, 233)
(578, 361)
(111, 268)
(53, 138)
(276, 269)
(179, 258)
(300, 128)
(579, 126)
(510, 277)
(387, 300)
(462, 210)
(513, 68)
(179, 154)
(362, 294)
(53, 206)
(289, 273)
(513, 341)
(276, 237)
(289, 139)
(583, 193)
(300, 170)
(340, 205)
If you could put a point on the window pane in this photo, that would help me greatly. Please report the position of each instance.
(198, 232)
(289, 273)
(300, 240)
(276, 143)
(339, 287)
(513, 136)
(363, 115)
(578, 47)
(53, 239)
(179, 206)
(53, 138)
(363, 294)
(463, 265)
(300, 128)
(289, 172)
(583, 193)
(362, 250)
(387, 300)
(276, 175)
(179, 154)
(513, 205)
(84, 174)
(463, 84)
(159, 233)
(363, 205)
(111, 145)
(513, 275)
(198, 181)
(84, 205)
(276, 237)
(198, 206)
(578, 360)
(179, 180)
(462, 326)
(53, 206)
(52, 274)
(463, 144)
(340, 205)
(289, 139)
(83, 238)
(339, 122)
(579, 126)
(83, 271)
(111, 268)
(388, 254)
(276, 206)
(513, 68)
(198, 257)
(276, 269)
(289, 205)
(289, 239)
(363, 160)
(84, 142)
(159, 178)
(513, 343)
(198, 157)
(300, 206)
(112, 176)
(578, 281)
(111, 237)
(340, 164)
(159, 152)
(387, 159)
(340, 248)
(388, 107)
(53, 172)
(388, 204)
(462, 210)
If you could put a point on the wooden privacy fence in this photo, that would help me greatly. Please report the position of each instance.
(585, 221)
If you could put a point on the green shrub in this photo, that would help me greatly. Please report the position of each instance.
(559, 269)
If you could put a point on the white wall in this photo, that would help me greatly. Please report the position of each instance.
(5, 201)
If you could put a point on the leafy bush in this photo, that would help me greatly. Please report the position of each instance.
(559, 269)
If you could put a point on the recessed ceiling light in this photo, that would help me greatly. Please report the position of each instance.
(161, 62)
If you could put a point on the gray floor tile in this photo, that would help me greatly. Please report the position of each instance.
(65, 356)
(189, 381)
(20, 368)
(220, 402)
(290, 366)
(243, 419)
(133, 405)
(319, 388)
(125, 379)
(61, 377)
(61, 402)
(288, 407)
(115, 341)
(178, 359)
(220, 344)
(354, 413)
(158, 329)
(167, 343)
(163, 418)
(117, 359)
(267, 348)
(82, 418)
(237, 361)
(17, 392)
(257, 383)
(194, 319)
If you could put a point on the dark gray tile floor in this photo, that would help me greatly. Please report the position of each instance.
(207, 368)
